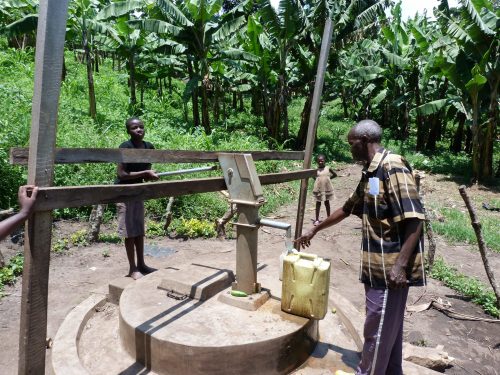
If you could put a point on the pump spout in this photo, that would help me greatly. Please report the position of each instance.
(279, 225)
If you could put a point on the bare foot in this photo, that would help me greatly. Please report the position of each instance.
(135, 275)
(146, 270)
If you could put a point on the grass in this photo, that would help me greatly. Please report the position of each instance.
(467, 286)
(456, 227)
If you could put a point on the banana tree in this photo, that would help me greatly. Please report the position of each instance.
(199, 27)
(470, 61)
(282, 27)
(19, 19)
(83, 26)
(127, 41)
(351, 20)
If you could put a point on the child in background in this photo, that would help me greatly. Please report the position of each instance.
(131, 213)
(323, 188)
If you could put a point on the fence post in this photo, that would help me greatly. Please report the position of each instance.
(48, 67)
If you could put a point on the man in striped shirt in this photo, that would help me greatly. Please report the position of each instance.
(387, 201)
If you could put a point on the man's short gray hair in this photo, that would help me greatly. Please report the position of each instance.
(368, 128)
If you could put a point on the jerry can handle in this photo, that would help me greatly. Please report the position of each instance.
(308, 256)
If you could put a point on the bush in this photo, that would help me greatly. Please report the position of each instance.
(9, 273)
(193, 228)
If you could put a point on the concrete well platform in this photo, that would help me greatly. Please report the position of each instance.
(89, 340)
(171, 335)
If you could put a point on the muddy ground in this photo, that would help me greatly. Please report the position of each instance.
(77, 272)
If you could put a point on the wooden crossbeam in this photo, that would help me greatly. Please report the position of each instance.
(19, 155)
(50, 198)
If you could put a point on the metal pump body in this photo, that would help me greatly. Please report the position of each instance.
(245, 191)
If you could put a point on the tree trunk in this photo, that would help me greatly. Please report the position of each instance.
(433, 133)
(64, 70)
(406, 123)
(441, 117)
(205, 118)
(185, 110)
(344, 103)
(240, 97)
(256, 102)
(216, 102)
(141, 88)
(488, 139)
(168, 213)
(419, 120)
(476, 168)
(235, 100)
(95, 222)
(224, 109)
(90, 77)
(96, 59)
(304, 119)
(160, 87)
(131, 67)
(194, 96)
(456, 145)
(468, 140)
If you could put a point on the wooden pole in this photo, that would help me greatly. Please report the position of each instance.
(313, 120)
(483, 250)
(48, 67)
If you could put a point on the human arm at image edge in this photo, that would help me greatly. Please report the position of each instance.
(26, 203)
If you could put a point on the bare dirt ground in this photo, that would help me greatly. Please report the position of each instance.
(79, 271)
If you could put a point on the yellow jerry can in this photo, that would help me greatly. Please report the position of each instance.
(306, 279)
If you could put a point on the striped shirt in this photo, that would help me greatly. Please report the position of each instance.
(383, 199)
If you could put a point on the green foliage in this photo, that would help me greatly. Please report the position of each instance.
(79, 238)
(9, 273)
(109, 238)
(332, 134)
(455, 225)
(105, 253)
(154, 229)
(60, 245)
(467, 286)
(193, 228)
(16, 88)
(442, 162)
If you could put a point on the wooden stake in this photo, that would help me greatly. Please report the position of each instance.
(313, 120)
(480, 241)
(428, 227)
(48, 67)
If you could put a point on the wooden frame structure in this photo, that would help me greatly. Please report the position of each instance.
(42, 155)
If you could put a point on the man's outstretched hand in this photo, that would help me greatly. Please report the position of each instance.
(305, 240)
